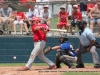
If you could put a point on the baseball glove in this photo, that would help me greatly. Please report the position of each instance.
(47, 50)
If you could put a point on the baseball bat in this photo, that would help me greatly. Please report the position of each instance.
(60, 30)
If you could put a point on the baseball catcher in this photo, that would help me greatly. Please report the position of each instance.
(66, 53)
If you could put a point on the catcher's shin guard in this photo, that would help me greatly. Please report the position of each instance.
(57, 60)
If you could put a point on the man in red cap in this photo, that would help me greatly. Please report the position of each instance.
(39, 38)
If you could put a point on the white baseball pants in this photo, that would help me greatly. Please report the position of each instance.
(38, 51)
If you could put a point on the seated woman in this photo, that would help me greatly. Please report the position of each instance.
(94, 15)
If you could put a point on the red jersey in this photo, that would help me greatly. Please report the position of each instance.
(19, 15)
(89, 6)
(77, 15)
(63, 16)
(38, 34)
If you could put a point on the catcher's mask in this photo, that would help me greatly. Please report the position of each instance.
(81, 25)
(63, 38)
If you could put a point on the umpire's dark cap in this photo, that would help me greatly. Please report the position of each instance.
(82, 22)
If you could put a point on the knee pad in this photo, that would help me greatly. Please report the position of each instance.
(61, 58)
(58, 54)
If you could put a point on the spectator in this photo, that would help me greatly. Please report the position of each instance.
(24, 1)
(76, 16)
(95, 16)
(19, 17)
(45, 15)
(5, 16)
(30, 14)
(63, 19)
(83, 8)
(90, 5)
(69, 10)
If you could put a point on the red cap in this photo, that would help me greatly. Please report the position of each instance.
(37, 19)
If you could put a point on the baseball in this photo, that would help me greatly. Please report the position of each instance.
(14, 57)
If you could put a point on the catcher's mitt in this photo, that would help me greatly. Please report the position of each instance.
(47, 50)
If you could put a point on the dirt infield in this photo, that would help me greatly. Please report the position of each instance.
(41, 70)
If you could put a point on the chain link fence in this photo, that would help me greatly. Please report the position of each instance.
(54, 6)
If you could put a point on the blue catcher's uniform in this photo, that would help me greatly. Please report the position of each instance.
(67, 55)
(66, 47)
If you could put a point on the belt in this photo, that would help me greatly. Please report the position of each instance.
(39, 40)
(87, 46)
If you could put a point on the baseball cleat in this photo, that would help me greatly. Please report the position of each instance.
(23, 69)
(52, 67)
(97, 66)
(80, 66)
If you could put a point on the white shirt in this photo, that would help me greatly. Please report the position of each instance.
(45, 15)
(31, 14)
(69, 10)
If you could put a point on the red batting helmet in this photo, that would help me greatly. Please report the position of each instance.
(37, 19)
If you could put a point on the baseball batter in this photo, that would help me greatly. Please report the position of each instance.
(39, 38)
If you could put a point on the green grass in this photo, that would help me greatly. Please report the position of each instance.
(54, 22)
(81, 73)
(21, 64)
(35, 64)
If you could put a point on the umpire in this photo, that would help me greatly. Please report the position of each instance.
(87, 44)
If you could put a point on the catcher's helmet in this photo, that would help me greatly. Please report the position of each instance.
(63, 38)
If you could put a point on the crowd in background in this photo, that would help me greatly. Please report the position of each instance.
(66, 18)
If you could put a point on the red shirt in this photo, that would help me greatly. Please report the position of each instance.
(89, 6)
(79, 7)
(63, 16)
(38, 34)
(23, 1)
(27, 0)
(19, 15)
(77, 15)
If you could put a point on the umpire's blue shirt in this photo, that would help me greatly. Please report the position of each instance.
(86, 36)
